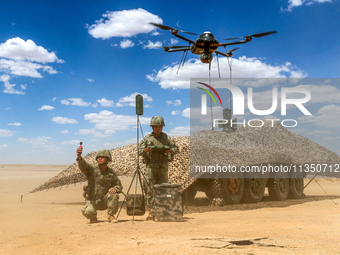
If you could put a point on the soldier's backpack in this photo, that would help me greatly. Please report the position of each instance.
(139, 205)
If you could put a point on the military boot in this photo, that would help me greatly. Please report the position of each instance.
(112, 219)
(94, 220)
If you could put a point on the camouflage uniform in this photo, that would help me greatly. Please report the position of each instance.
(156, 164)
(99, 184)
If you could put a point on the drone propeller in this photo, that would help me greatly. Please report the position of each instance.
(232, 50)
(254, 35)
(169, 28)
(167, 47)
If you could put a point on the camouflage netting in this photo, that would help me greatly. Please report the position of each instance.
(254, 146)
(124, 163)
(245, 146)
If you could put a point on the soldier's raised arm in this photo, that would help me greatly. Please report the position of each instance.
(83, 166)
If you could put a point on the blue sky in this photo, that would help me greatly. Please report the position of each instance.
(70, 70)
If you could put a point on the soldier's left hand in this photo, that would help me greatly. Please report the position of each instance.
(112, 190)
(168, 151)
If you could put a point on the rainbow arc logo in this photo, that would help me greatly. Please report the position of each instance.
(204, 97)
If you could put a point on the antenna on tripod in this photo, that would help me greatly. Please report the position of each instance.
(139, 111)
(132, 198)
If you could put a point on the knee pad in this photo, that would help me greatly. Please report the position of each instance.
(89, 212)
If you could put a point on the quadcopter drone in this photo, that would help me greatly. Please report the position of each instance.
(206, 44)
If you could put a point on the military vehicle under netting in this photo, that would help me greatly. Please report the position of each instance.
(246, 146)
(236, 188)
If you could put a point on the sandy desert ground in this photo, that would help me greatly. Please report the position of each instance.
(51, 223)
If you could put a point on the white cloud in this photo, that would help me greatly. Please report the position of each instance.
(329, 138)
(131, 100)
(46, 107)
(90, 80)
(323, 93)
(318, 132)
(301, 131)
(110, 122)
(9, 88)
(54, 98)
(195, 113)
(180, 131)
(40, 141)
(5, 133)
(174, 41)
(24, 68)
(75, 101)
(65, 132)
(65, 102)
(19, 49)
(327, 117)
(124, 23)
(242, 67)
(63, 120)
(186, 112)
(15, 124)
(72, 142)
(20, 57)
(176, 102)
(175, 112)
(112, 145)
(295, 3)
(152, 45)
(3, 146)
(91, 132)
(105, 103)
(126, 43)
(131, 141)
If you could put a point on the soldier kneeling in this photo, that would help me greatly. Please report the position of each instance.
(103, 186)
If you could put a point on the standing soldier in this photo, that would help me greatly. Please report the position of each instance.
(156, 159)
(103, 186)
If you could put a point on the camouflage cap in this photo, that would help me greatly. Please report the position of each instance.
(104, 153)
(157, 121)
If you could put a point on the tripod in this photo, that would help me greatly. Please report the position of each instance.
(137, 176)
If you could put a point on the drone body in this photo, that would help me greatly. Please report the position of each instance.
(206, 44)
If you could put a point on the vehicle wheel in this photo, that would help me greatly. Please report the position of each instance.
(278, 187)
(296, 186)
(233, 188)
(216, 188)
(253, 190)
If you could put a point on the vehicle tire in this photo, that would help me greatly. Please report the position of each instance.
(253, 190)
(296, 185)
(216, 188)
(233, 188)
(278, 187)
